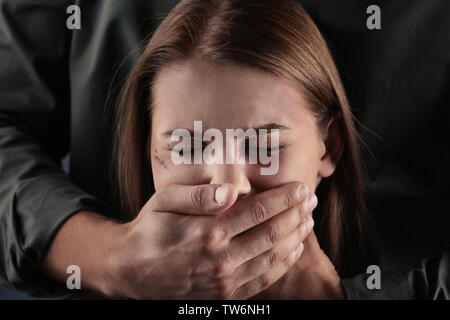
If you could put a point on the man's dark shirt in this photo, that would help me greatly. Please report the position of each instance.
(55, 82)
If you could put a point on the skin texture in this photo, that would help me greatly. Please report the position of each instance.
(240, 97)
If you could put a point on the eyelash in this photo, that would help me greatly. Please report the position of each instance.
(280, 148)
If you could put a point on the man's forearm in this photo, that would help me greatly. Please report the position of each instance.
(89, 241)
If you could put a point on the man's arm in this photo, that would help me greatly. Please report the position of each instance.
(36, 195)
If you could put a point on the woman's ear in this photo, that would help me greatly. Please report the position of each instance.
(334, 148)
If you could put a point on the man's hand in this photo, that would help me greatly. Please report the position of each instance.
(191, 242)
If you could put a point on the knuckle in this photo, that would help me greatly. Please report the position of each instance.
(222, 265)
(274, 233)
(197, 197)
(212, 238)
(301, 212)
(296, 216)
(287, 199)
(273, 257)
(209, 240)
(263, 281)
(288, 261)
(259, 212)
(225, 289)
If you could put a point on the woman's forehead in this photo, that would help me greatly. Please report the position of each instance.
(195, 90)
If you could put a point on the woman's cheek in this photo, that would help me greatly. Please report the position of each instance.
(281, 174)
(166, 172)
(292, 168)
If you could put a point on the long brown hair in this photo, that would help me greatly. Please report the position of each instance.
(276, 36)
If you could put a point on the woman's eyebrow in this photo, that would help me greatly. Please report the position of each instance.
(268, 127)
(271, 126)
(170, 132)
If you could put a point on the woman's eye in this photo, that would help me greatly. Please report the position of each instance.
(258, 149)
(189, 149)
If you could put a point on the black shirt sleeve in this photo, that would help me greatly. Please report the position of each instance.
(36, 195)
(429, 280)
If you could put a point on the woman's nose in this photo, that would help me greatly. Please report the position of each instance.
(233, 174)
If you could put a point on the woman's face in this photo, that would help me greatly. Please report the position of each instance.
(234, 98)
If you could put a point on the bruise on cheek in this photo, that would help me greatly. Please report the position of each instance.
(158, 159)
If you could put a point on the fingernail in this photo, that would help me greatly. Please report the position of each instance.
(303, 192)
(221, 194)
(309, 223)
(299, 250)
(312, 203)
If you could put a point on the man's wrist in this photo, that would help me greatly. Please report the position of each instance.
(108, 268)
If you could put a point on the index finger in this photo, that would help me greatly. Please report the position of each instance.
(249, 212)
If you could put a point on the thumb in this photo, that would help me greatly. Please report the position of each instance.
(199, 199)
